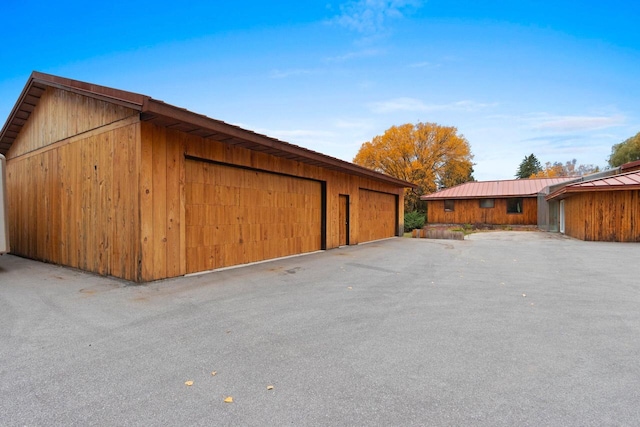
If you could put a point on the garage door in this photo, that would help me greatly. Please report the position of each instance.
(378, 215)
(236, 216)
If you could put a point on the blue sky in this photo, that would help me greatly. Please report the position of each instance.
(560, 79)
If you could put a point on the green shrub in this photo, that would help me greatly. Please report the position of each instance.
(413, 220)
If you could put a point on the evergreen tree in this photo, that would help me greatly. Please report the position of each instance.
(529, 166)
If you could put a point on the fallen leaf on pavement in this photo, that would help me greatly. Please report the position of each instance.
(269, 387)
(214, 373)
(189, 383)
(228, 400)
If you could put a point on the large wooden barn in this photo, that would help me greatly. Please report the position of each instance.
(506, 202)
(121, 184)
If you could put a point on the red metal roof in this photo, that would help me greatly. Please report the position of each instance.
(625, 181)
(491, 189)
(631, 166)
(173, 117)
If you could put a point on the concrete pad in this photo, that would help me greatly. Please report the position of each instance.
(503, 328)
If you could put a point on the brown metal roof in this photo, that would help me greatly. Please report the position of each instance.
(173, 117)
(624, 181)
(631, 166)
(491, 189)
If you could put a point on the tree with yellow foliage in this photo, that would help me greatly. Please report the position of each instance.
(427, 154)
(557, 169)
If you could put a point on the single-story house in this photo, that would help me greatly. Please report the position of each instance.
(121, 184)
(603, 209)
(507, 202)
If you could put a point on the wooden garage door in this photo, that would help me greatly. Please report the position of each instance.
(377, 214)
(236, 216)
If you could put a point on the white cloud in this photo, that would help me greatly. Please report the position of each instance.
(578, 123)
(413, 104)
(370, 16)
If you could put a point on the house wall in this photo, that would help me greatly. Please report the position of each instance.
(468, 211)
(612, 216)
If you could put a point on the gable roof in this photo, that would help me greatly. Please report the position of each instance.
(624, 181)
(496, 189)
(170, 116)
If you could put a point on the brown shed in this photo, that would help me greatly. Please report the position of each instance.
(605, 209)
(121, 184)
(507, 202)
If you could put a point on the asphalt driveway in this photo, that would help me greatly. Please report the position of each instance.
(505, 328)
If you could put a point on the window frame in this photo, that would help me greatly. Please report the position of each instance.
(515, 200)
(493, 203)
(452, 206)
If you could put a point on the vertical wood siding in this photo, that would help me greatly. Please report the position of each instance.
(61, 114)
(469, 212)
(377, 215)
(76, 204)
(165, 241)
(611, 216)
(237, 216)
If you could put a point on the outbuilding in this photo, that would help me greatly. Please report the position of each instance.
(503, 202)
(121, 184)
(604, 209)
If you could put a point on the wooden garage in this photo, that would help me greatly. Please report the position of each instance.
(121, 184)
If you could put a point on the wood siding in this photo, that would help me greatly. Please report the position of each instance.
(377, 215)
(468, 211)
(61, 114)
(179, 144)
(611, 216)
(76, 203)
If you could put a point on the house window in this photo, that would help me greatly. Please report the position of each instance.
(514, 205)
(486, 203)
(448, 206)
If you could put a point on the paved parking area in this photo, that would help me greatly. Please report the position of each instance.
(501, 329)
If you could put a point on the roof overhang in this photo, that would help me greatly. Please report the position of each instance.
(172, 117)
(501, 196)
(565, 192)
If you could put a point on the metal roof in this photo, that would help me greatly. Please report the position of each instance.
(624, 181)
(173, 117)
(496, 189)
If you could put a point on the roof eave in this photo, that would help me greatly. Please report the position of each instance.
(36, 86)
(172, 116)
(567, 191)
(178, 118)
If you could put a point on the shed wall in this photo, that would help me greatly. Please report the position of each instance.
(75, 203)
(611, 216)
(468, 211)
